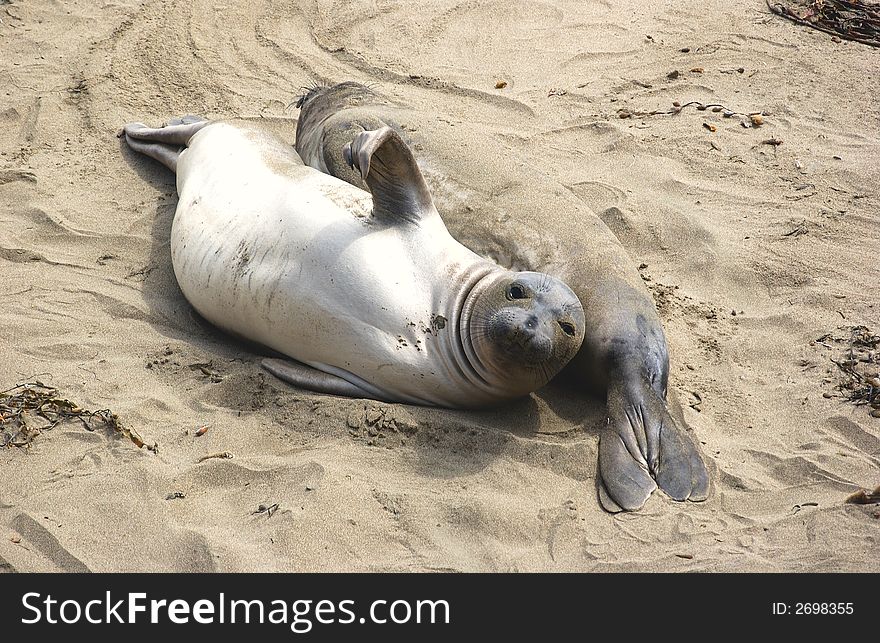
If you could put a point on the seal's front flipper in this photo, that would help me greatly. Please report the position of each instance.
(334, 138)
(390, 170)
(306, 377)
(644, 447)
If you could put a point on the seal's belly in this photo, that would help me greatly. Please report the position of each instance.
(281, 254)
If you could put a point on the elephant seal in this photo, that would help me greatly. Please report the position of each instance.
(623, 355)
(367, 291)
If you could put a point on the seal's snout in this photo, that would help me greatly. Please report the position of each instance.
(523, 335)
(524, 328)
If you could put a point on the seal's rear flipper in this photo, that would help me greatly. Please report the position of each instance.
(306, 377)
(390, 170)
(624, 483)
(163, 144)
(642, 448)
(177, 132)
(680, 470)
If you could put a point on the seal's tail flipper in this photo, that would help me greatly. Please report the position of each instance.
(642, 448)
(624, 483)
(680, 470)
(390, 170)
(163, 144)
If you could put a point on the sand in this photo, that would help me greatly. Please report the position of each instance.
(786, 236)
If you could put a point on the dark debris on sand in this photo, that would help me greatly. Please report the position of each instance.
(851, 19)
(858, 365)
(32, 408)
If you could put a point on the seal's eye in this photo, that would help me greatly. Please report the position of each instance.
(515, 291)
(567, 328)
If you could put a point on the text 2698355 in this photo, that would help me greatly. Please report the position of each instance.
(802, 609)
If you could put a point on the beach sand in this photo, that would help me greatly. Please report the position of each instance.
(786, 236)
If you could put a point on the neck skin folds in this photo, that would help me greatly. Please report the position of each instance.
(482, 375)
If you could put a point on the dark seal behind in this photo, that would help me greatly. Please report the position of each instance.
(624, 354)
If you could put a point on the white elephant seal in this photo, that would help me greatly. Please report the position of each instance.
(368, 292)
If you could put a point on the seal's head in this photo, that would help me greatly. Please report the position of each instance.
(331, 116)
(523, 329)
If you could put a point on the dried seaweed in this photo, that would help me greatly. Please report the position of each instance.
(850, 19)
(747, 119)
(677, 108)
(858, 366)
(29, 409)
